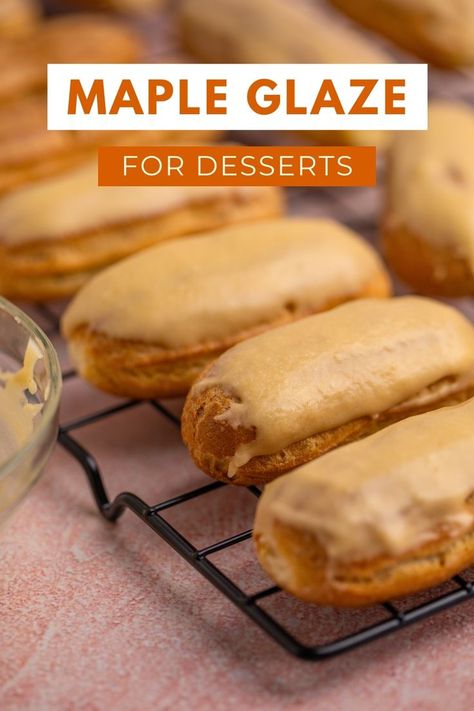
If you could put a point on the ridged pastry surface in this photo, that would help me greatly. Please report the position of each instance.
(360, 359)
(72, 204)
(207, 288)
(385, 495)
(431, 181)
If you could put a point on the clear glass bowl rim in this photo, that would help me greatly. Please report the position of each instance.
(52, 403)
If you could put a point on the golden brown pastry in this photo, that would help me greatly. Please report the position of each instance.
(288, 396)
(147, 326)
(56, 233)
(377, 519)
(29, 152)
(18, 17)
(429, 226)
(68, 39)
(439, 31)
(276, 31)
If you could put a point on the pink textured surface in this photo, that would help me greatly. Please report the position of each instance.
(95, 616)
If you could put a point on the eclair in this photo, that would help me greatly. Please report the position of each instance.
(18, 17)
(439, 32)
(380, 518)
(29, 152)
(64, 39)
(56, 233)
(288, 396)
(277, 31)
(147, 326)
(428, 227)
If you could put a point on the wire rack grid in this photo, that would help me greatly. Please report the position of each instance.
(393, 616)
(357, 208)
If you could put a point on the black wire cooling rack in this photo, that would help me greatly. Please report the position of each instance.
(395, 617)
(355, 208)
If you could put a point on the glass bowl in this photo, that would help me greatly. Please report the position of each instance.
(21, 466)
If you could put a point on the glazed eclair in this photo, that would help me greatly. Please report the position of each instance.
(437, 31)
(428, 229)
(29, 152)
(147, 326)
(288, 396)
(277, 31)
(377, 519)
(56, 233)
(63, 39)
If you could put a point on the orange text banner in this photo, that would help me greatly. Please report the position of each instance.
(237, 165)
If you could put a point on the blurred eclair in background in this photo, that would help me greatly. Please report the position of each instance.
(56, 233)
(428, 226)
(29, 152)
(18, 17)
(63, 39)
(438, 31)
(276, 31)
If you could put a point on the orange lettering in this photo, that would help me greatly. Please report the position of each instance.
(272, 99)
(126, 98)
(391, 96)
(359, 104)
(184, 107)
(290, 99)
(154, 97)
(212, 96)
(77, 93)
(332, 102)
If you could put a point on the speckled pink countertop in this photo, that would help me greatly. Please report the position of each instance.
(97, 616)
